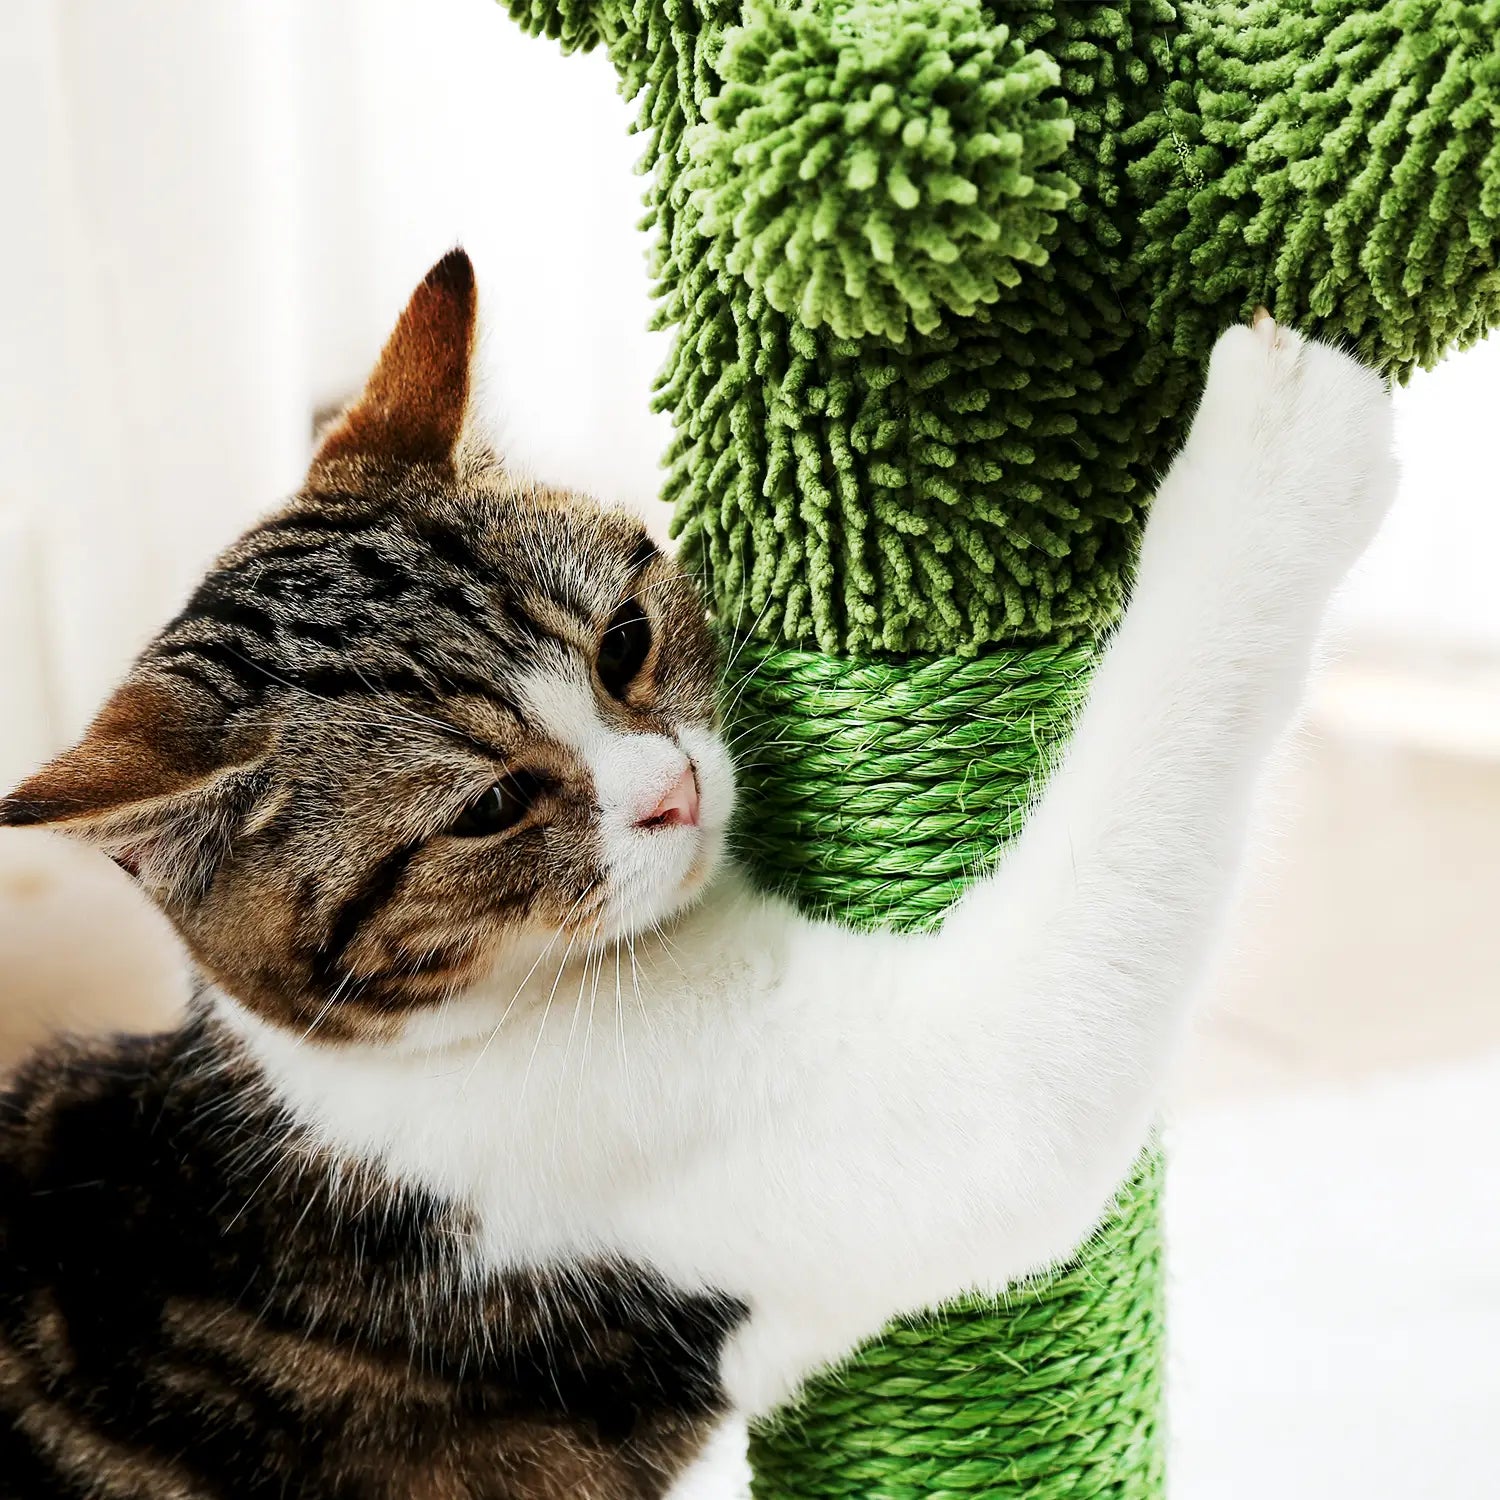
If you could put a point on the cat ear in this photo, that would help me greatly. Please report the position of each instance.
(412, 409)
(149, 783)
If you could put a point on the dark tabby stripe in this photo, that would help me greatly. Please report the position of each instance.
(199, 676)
(448, 544)
(246, 672)
(218, 601)
(320, 633)
(345, 679)
(195, 1305)
(384, 578)
(378, 888)
(646, 551)
(287, 613)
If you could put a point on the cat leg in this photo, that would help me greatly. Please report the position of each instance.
(932, 1113)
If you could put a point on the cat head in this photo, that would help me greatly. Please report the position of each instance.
(420, 724)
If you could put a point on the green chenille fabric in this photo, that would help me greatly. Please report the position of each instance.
(942, 486)
(943, 277)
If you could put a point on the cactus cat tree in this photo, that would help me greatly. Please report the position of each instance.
(943, 277)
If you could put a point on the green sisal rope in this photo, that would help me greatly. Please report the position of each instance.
(878, 790)
(881, 788)
(1054, 1392)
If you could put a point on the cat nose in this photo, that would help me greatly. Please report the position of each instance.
(678, 806)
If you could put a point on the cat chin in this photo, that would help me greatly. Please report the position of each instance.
(655, 881)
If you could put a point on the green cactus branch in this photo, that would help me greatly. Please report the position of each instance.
(1340, 163)
(974, 468)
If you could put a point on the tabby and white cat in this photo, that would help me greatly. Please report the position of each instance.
(506, 1148)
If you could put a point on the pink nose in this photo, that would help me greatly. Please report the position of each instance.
(679, 807)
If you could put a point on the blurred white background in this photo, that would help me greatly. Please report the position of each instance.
(213, 214)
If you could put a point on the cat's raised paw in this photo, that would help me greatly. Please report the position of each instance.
(1288, 469)
(1254, 357)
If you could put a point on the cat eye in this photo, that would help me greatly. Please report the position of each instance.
(624, 647)
(495, 809)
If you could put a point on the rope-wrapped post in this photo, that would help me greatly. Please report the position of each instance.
(1055, 1392)
(877, 790)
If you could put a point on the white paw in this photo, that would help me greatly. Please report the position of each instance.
(1307, 430)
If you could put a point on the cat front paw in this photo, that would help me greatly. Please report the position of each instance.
(1311, 427)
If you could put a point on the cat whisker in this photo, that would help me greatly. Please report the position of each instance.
(541, 1029)
(729, 698)
(747, 636)
(562, 1071)
(333, 999)
(520, 988)
(659, 932)
(635, 1124)
(411, 715)
(588, 1035)
(660, 583)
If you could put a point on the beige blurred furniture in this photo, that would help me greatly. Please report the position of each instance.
(79, 949)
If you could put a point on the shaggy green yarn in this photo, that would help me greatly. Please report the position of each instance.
(578, 25)
(1342, 162)
(868, 167)
(1054, 1392)
(936, 493)
(985, 481)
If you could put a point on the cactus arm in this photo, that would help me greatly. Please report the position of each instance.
(945, 490)
(870, 165)
(1340, 164)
